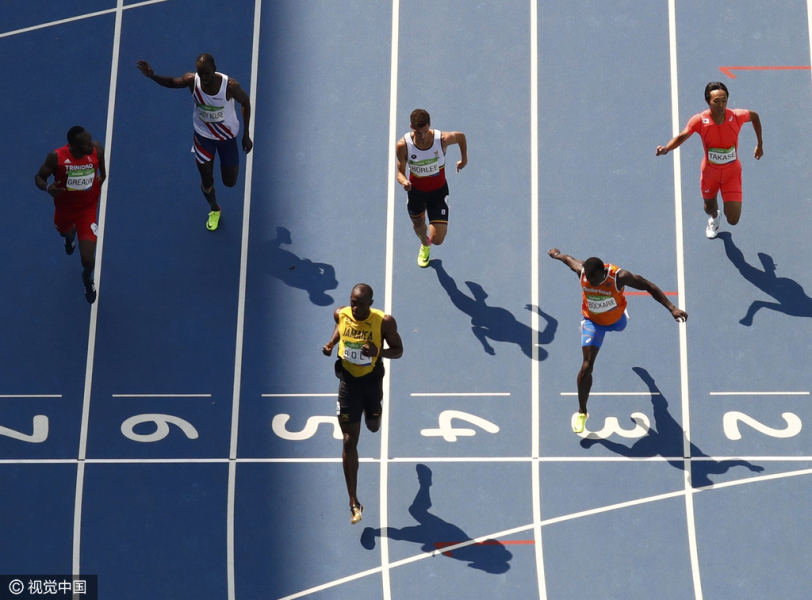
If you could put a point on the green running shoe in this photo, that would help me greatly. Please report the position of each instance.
(214, 220)
(579, 422)
(423, 256)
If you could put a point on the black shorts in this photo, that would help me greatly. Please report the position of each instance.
(359, 395)
(434, 202)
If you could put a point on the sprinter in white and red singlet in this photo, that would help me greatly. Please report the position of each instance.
(603, 309)
(215, 122)
(423, 150)
(79, 172)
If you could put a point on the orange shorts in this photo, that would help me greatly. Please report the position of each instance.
(727, 179)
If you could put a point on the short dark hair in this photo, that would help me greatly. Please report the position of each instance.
(206, 58)
(713, 86)
(419, 118)
(73, 133)
(592, 265)
(364, 289)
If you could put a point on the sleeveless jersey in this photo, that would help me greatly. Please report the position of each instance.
(355, 334)
(426, 167)
(78, 177)
(603, 304)
(214, 117)
(721, 142)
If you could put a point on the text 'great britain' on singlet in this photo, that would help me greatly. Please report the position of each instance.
(214, 116)
(426, 167)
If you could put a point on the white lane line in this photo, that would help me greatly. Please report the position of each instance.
(458, 394)
(161, 395)
(240, 333)
(535, 416)
(94, 309)
(809, 25)
(760, 393)
(30, 395)
(388, 284)
(333, 395)
(681, 300)
(77, 18)
(613, 394)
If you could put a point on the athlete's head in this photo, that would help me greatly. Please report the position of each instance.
(594, 270)
(360, 301)
(712, 87)
(80, 140)
(420, 122)
(206, 68)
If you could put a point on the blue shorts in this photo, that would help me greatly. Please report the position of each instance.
(205, 148)
(592, 333)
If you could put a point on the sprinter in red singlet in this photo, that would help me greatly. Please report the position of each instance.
(79, 172)
(603, 309)
(721, 169)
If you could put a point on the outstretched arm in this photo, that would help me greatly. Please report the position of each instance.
(185, 81)
(236, 92)
(674, 143)
(756, 121)
(573, 263)
(457, 137)
(624, 278)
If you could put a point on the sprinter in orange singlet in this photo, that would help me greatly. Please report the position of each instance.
(721, 169)
(603, 309)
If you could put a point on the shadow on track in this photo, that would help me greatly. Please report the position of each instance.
(492, 322)
(790, 296)
(434, 533)
(667, 439)
(300, 273)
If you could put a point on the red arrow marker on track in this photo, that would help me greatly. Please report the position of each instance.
(727, 70)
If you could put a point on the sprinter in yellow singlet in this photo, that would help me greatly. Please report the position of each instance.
(360, 333)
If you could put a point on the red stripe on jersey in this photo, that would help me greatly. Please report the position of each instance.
(202, 151)
(214, 131)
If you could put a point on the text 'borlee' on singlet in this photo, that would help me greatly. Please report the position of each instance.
(354, 334)
(603, 304)
(214, 116)
(78, 177)
(426, 167)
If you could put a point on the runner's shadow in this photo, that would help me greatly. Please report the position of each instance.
(434, 533)
(300, 273)
(668, 440)
(792, 300)
(492, 322)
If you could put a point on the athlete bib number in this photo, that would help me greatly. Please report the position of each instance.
(600, 304)
(721, 156)
(80, 179)
(210, 114)
(425, 168)
(352, 354)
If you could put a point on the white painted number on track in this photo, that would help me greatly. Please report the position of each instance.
(310, 428)
(611, 426)
(730, 423)
(449, 433)
(161, 427)
(39, 435)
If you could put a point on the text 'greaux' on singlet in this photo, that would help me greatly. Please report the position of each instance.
(214, 116)
(426, 167)
(354, 334)
(78, 177)
(603, 304)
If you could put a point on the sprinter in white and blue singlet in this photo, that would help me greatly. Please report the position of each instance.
(423, 150)
(215, 122)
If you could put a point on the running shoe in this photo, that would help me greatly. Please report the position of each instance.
(90, 290)
(214, 220)
(712, 230)
(579, 422)
(423, 256)
(70, 242)
(357, 511)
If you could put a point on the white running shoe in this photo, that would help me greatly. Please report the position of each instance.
(712, 230)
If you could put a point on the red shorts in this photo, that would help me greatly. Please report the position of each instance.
(727, 179)
(84, 220)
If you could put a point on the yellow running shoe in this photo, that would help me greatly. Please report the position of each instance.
(214, 220)
(579, 422)
(357, 511)
(423, 256)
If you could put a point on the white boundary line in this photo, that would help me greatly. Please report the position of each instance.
(161, 395)
(760, 393)
(388, 285)
(614, 393)
(78, 18)
(238, 349)
(459, 394)
(683, 337)
(809, 25)
(94, 309)
(333, 395)
(535, 416)
(30, 395)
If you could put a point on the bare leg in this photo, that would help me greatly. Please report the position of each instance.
(421, 229)
(585, 376)
(349, 459)
(733, 212)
